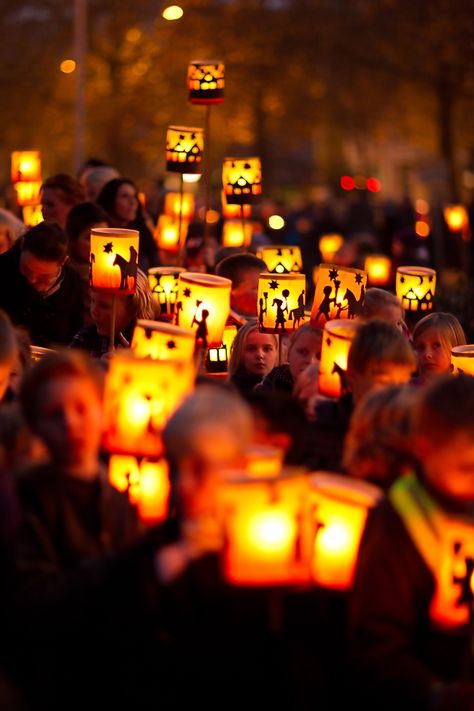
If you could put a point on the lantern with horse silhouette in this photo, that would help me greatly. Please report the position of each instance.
(184, 149)
(335, 346)
(281, 259)
(162, 341)
(147, 483)
(242, 180)
(206, 81)
(203, 305)
(462, 359)
(164, 285)
(416, 288)
(281, 302)
(114, 259)
(340, 293)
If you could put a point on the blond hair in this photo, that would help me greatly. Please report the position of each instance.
(238, 346)
(449, 330)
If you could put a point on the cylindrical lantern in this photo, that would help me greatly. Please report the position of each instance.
(340, 293)
(281, 259)
(415, 287)
(32, 215)
(236, 233)
(203, 305)
(28, 193)
(147, 484)
(167, 234)
(164, 285)
(340, 509)
(456, 217)
(329, 245)
(114, 259)
(206, 81)
(462, 359)
(217, 359)
(184, 149)
(25, 166)
(378, 268)
(234, 212)
(173, 203)
(281, 302)
(162, 341)
(335, 346)
(140, 397)
(242, 180)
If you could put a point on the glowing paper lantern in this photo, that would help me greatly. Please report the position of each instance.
(168, 234)
(378, 268)
(164, 285)
(162, 341)
(415, 287)
(281, 259)
(462, 359)
(32, 215)
(263, 461)
(184, 148)
(217, 359)
(335, 346)
(26, 167)
(341, 506)
(236, 234)
(206, 81)
(140, 396)
(203, 305)
(28, 193)
(147, 484)
(281, 302)
(173, 203)
(456, 217)
(340, 293)
(114, 259)
(329, 245)
(242, 180)
(233, 212)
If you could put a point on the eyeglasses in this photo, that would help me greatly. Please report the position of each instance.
(35, 277)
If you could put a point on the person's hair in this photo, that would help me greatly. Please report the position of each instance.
(70, 189)
(377, 341)
(376, 300)
(67, 363)
(8, 340)
(305, 328)
(144, 306)
(46, 241)
(238, 346)
(378, 444)
(237, 266)
(83, 216)
(108, 194)
(449, 330)
(96, 177)
(445, 408)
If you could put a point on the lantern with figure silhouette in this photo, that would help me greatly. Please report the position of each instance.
(25, 167)
(378, 268)
(281, 302)
(281, 259)
(184, 149)
(203, 305)
(162, 341)
(462, 359)
(242, 180)
(206, 81)
(114, 259)
(415, 287)
(175, 202)
(164, 285)
(329, 245)
(335, 346)
(236, 233)
(147, 483)
(339, 293)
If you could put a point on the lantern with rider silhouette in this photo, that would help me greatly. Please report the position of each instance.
(340, 293)
(114, 259)
(281, 302)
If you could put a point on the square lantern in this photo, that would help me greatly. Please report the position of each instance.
(147, 483)
(163, 282)
(203, 305)
(140, 397)
(335, 346)
(168, 234)
(175, 202)
(242, 180)
(26, 167)
(28, 194)
(462, 359)
(378, 268)
(184, 149)
(340, 506)
(340, 293)
(281, 302)
(162, 341)
(206, 81)
(329, 246)
(234, 212)
(236, 233)
(114, 259)
(281, 259)
(415, 287)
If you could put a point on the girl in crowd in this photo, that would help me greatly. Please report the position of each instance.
(433, 338)
(252, 357)
(304, 348)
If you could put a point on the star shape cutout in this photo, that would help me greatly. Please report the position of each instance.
(333, 274)
(358, 278)
(187, 292)
(273, 284)
(108, 248)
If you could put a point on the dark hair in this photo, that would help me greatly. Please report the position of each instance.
(8, 343)
(377, 341)
(71, 190)
(108, 194)
(82, 216)
(45, 241)
(445, 407)
(236, 266)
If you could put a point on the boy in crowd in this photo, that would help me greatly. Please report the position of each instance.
(243, 270)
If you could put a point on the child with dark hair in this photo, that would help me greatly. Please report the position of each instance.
(243, 270)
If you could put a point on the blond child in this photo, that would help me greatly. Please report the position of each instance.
(433, 338)
(304, 349)
(252, 357)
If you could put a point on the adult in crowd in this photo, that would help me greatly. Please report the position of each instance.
(59, 193)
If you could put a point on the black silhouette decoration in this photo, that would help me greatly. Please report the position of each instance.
(201, 331)
(166, 298)
(206, 83)
(287, 315)
(336, 369)
(128, 270)
(244, 188)
(332, 305)
(464, 581)
(185, 155)
(413, 301)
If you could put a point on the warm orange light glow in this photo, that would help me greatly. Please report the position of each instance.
(422, 228)
(462, 359)
(32, 215)
(415, 287)
(68, 66)
(172, 205)
(28, 193)
(378, 268)
(162, 341)
(206, 81)
(329, 245)
(147, 483)
(335, 346)
(172, 12)
(167, 233)
(242, 180)
(184, 149)
(281, 259)
(276, 222)
(164, 285)
(203, 305)
(212, 217)
(25, 166)
(340, 293)
(231, 212)
(281, 302)
(236, 234)
(114, 259)
(456, 217)
(263, 461)
(422, 207)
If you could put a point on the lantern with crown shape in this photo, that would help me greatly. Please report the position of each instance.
(163, 282)
(242, 180)
(184, 149)
(462, 359)
(415, 287)
(114, 259)
(339, 293)
(281, 302)
(206, 81)
(203, 305)
(147, 484)
(281, 258)
(335, 346)
(378, 268)
(162, 341)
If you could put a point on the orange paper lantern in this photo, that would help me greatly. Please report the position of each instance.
(206, 81)
(340, 293)
(26, 167)
(162, 341)
(415, 287)
(167, 233)
(329, 245)
(242, 180)
(281, 302)
(147, 483)
(32, 215)
(114, 259)
(203, 305)
(462, 359)
(217, 360)
(28, 193)
(164, 285)
(335, 346)
(281, 259)
(378, 268)
(173, 202)
(234, 212)
(236, 233)
(184, 149)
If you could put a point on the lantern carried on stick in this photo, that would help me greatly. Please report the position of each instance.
(415, 287)
(162, 341)
(242, 183)
(335, 346)
(163, 282)
(462, 359)
(203, 305)
(281, 259)
(340, 293)
(147, 483)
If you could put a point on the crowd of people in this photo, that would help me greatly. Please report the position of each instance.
(98, 608)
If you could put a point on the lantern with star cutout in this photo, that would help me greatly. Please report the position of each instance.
(206, 81)
(415, 287)
(281, 302)
(147, 483)
(339, 293)
(162, 341)
(163, 282)
(281, 259)
(335, 346)
(242, 180)
(184, 149)
(203, 305)
(114, 259)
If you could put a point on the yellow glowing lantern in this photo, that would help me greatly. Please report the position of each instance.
(462, 359)
(168, 235)
(140, 396)
(147, 484)
(114, 259)
(281, 259)
(456, 217)
(415, 287)
(206, 81)
(329, 245)
(262, 461)
(281, 302)
(236, 233)
(340, 293)
(184, 149)
(163, 282)
(378, 268)
(175, 201)
(217, 360)
(25, 167)
(203, 305)
(234, 212)
(32, 215)
(242, 180)
(340, 510)
(335, 346)
(162, 341)
(230, 333)
(28, 193)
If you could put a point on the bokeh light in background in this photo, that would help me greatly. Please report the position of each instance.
(67, 66)
(173, 12)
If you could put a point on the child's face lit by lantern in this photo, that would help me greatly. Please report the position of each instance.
(101, 312)
(303, 351)
(379, 375)
(448, 464)
(432, 356)
(259, 354)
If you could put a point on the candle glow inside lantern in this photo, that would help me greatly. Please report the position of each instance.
(114, 259)
(462, 359)
(234, 212)
(140, 397)
(173, 204)
(415, 287)
(184, 149)
(236, 234)
(242, 180)
(32, 215)
(147, 484)
(26, 167)
(28, 194)
(203, 305)
(262, 461)
(340, 293)
(378, 268)
(281, 259)
(217, 360)
(329, 245)
(281, 302)
(163, 282)
(335, 346)
(168, 234)
(162, 341)
(206, 81)
(340, 511)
